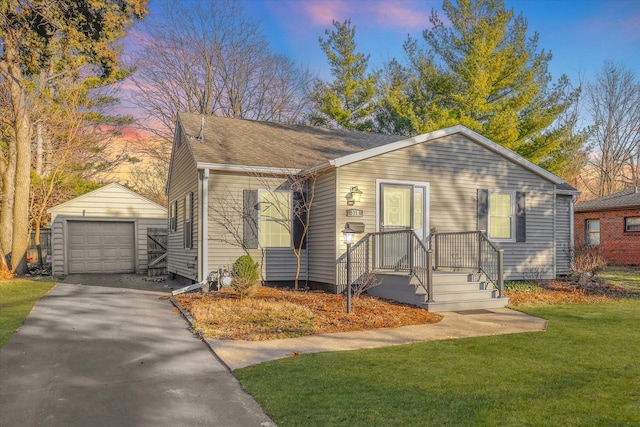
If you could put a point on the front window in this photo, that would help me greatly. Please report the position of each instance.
(632, 224)
(592, 228)
(501, 216)
(275, 219)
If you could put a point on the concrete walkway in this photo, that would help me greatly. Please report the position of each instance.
(238, 354)
(102, 356)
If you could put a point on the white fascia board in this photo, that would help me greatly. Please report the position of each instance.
(485, 142)
(318, 168)
(247, 169)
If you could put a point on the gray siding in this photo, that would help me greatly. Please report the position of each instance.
(321, 241)
(183, 179)
(456, 167)
(225, 227)
(59, 246)
(563, 234)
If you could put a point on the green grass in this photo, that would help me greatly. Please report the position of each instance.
(17, 298)
(583, 371)
(625, 277)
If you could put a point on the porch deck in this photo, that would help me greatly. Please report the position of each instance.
(462, 271)
(452, 291)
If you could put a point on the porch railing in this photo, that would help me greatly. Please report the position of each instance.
(400, 250)
(469, 250)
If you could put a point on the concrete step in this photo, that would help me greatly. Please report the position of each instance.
(465, 295)
(440, 278)
(466, 305)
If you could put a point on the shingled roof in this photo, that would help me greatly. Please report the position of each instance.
(230, 141)
(629, 198)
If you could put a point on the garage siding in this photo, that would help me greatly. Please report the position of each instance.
(107, 224)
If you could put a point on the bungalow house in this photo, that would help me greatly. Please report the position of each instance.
(431, 212)
(612, 223)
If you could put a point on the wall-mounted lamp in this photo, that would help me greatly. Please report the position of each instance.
(354, 196)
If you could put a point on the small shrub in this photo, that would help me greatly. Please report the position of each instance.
(586, 261)
(369, 280)
(245, 276)
(522, 287)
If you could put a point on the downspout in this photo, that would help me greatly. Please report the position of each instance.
(571, 225)
(203, 256)
(555, 242)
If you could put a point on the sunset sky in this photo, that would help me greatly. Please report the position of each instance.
(581, 34)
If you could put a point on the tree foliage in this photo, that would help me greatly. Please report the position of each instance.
(349, 100)
(42, 43)
(482, 71)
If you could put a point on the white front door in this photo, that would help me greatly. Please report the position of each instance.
(403, 207)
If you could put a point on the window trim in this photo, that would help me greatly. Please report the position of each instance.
(512, 217)
(626, 224)
(187, 220)
(587, 233)
(260, 218)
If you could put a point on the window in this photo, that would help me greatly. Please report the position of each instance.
(173, 216)
(592, 228)
(275, 219)
(188, 221)
(632, 224)
(501, 216)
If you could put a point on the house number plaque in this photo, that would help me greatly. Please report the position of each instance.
(354, 212)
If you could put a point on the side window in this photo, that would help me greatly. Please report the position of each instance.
(632, 224)
(592, 228)
(188, 221)
(173, 216)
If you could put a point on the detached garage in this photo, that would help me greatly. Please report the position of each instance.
(104, 231)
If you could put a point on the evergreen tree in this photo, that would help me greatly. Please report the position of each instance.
(349, 100)
(482, 71)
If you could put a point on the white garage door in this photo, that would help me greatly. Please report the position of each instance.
(101, 247)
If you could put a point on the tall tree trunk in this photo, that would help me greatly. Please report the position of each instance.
(6, 209)
(22, 176)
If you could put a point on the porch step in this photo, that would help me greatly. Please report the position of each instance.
(451, 291)
(442, 306)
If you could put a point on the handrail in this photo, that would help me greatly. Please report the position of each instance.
(470, 250)
(403, 250)
(399, 250)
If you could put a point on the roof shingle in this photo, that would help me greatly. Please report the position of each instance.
(264, 144)
(629, 198)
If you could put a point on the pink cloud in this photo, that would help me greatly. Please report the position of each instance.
(400, 14)
(324, 12)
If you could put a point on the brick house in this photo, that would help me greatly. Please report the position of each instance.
(613, 224)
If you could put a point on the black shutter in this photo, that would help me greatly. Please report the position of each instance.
(299, 219)
(483, 210)
(521, 217)
(250, 212)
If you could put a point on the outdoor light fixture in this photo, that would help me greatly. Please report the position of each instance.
(348, 236)
(354, 196)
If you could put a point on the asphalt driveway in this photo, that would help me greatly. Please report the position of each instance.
(105, 356)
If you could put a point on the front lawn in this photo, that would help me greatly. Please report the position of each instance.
(627, 278)
(17, 298)
(583, 370)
